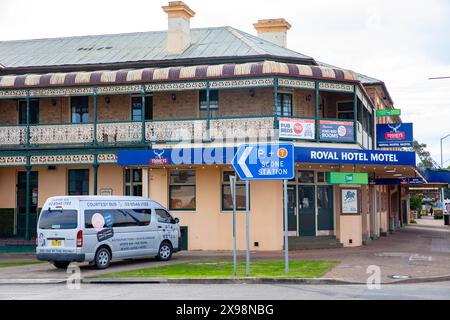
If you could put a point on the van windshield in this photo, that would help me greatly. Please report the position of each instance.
(58, 219)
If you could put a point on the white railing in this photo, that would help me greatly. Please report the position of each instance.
(119, 132)
(258, 127)
(177, 130)
(62, 134)
(13, 135)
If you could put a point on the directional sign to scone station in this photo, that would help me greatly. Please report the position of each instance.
(264, 161)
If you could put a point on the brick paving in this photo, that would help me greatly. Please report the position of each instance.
(416, 251)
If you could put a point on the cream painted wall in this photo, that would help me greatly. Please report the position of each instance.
(8, 177)
(110, 177)
(211, 229)
(351, 228)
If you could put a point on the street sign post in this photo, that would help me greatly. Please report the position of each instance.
(265, 162)
(233, 196)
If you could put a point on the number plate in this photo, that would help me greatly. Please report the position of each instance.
(56, 243)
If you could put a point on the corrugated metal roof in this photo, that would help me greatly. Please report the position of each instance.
(217, 42)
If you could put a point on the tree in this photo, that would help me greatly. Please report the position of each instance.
(426, 160)
(415, 203)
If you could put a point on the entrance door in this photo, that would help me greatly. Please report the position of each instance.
(21, 203)
(325, 218)
(307, 210)
(292, 211)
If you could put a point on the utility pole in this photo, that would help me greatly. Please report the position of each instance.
(442, 139)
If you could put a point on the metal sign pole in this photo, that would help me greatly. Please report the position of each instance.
(247, 214)
(233, 195)
(286, 233)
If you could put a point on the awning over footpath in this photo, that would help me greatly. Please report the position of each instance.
(204, 72)
(437, 176)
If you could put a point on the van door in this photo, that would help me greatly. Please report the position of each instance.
(166, 229)
(58, 230)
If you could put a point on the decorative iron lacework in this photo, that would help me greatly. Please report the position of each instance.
(336, 86)
(241, 83)
(119, 89)
(12, 93)
(12, 161)
(107, 158)
(53, 92)
(62, 159)
(68, 133)
(175, 86)
(298, 84)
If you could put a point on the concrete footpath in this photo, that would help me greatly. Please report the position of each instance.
(415, 253)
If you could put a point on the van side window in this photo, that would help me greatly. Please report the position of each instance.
(119, 218)
(163, 216)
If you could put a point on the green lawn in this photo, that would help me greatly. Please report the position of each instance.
(220, 269)
(17, 264)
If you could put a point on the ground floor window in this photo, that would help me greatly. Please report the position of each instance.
(133, 182)
(182, 193)
(227, 199)
(78, 182)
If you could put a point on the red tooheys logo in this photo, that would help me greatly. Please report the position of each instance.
(395, 135)
(298, 128)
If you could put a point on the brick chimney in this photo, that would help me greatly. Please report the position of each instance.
(179, 29)
(273, 30)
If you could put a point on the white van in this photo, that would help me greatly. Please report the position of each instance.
(98, 229)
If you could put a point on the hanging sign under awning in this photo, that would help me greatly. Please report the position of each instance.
(348, 178)
(388, 112)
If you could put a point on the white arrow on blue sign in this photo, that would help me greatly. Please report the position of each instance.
(264, 161)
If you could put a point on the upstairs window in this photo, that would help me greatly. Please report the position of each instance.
(136, 108)
(345, 110)
(79, 109)
(34, 111)
(213, 103)
(284, 105)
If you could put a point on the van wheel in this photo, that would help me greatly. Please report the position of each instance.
(164, 252)
(61, 264)
(102, 258)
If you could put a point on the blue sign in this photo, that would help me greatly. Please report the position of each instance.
(400, 181)
(354, 156)
(336, 130)
(217, 156)
(394, 135)
(264, 162)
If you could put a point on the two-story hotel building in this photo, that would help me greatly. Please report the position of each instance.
(70, 107)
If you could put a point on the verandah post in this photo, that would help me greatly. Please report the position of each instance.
(27, 99)
(95, 175)
(95, 116)
(143, 115)
(316, 110)
(355, 107)
(27, 198)
(275, 103)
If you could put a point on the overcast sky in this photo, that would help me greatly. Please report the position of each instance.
(398, 41)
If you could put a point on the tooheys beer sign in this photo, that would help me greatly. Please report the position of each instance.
(394, 135)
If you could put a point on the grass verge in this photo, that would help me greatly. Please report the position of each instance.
(220, 269)
(18, 263)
